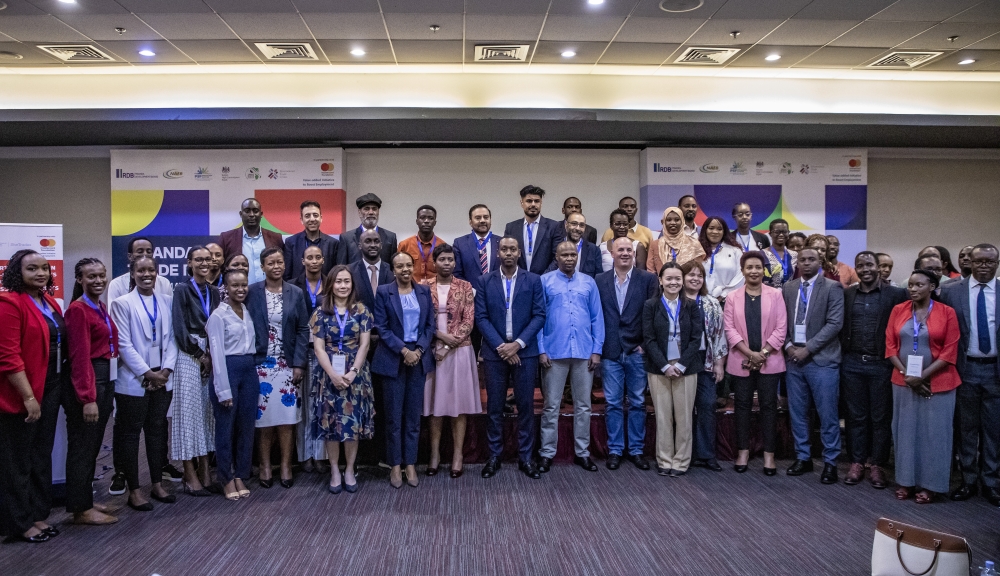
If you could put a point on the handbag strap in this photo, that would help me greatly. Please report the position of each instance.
(899, 543)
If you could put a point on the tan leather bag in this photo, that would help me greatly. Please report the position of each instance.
(904, 550)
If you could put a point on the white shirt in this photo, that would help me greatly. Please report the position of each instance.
(747, 242)
(119, 287)
(692, 231)
(798, 301)
(621, 288)
(724, 275)
(608, 259)
(675, 309)
(368, 271)
(228, 335)
(991, 302)
(510, 307)
(529, 247)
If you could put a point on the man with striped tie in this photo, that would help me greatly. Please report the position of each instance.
(476, 253)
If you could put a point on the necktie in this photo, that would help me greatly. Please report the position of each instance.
(800, 313)
(374, 277)
(982, 321)
(484, 263)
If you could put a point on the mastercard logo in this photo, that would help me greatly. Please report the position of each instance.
(47, 242)
(326, 167)
(854, 163)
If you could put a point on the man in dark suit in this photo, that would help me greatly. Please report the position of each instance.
(371, 265)
(295, 245)
(369, 206)
(978, 398)
(250, 239)
(589, 255)
(815, 308)
(624, 289)
(865, 374)
(746, 238)
(510, 310)
(477, 253)
(572, 205)
(537, 236)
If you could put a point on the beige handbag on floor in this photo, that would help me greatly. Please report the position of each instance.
(904, 550)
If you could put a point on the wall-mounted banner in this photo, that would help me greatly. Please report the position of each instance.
(46, 239)
(818, 191)
(183, 198)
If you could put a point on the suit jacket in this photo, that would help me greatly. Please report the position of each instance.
(623, 330)
(388, 358)
(824, 319)
(773, 327)
(348, 251)
(590, 260)
(656, 329)
(294, 322)
(460, 306)
(763, 241)
(550, 234)
(231, 241)
(956, 295)
(135, 336)
(527, 312)
(891, 296)
(589, 232)
(363, 283)
(467, 256)
(300, 283)
(295, 248)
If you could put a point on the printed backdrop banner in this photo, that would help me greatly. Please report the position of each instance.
(818, 191)
(46, 239)
(184, 198)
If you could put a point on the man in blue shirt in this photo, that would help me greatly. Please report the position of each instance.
(569, 344)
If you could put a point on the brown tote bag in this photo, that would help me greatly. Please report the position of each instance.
(904, 550)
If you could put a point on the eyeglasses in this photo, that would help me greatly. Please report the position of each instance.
(985, 262)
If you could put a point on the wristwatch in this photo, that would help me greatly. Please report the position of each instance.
(766, 353)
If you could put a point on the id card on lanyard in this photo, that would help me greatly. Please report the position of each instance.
(673, 341)
(339, 359)
(915, 362)
(155, 349)
(113, 364)
(44, 309)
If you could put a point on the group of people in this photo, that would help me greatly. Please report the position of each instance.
(316, 343)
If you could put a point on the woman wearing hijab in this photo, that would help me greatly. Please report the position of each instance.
(673, 245)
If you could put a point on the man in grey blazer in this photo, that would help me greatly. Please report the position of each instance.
(978, 398)
(815, 307)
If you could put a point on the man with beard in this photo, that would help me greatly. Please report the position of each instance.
(537, 235)
(689, 206)
(311, 217)
(588, 258)
(348, 251)
(572, 205)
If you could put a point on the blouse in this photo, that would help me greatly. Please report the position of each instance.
(722, 270)
(716, 346)
(228, 335)
(92, 336)
(188, 317)
(411, 316)
(943, 335)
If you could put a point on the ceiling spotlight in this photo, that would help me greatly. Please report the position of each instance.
(68, 1)
(966, 62)
(146, 52)
(3, 5)
(772, 57)
(357, 52)
(595, 2)
(734, 33)
(952, 38)
(434, 27)
(568, 54)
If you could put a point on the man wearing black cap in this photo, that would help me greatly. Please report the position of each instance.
(368, 209)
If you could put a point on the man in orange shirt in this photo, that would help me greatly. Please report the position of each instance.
(421, 246)
(848, 277)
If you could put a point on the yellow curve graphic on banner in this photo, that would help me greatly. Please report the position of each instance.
(781, 211)
(133, 210)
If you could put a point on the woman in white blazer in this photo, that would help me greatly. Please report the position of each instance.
(143, 390)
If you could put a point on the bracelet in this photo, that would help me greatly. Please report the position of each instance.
(29, 398)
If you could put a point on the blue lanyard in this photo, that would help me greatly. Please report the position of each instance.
(342, 322)
(579, 246)
(420, 246)
(803, 298)
(509, 281)
(746, 247)
(481, 244)
(917, 325)
(531, 240)
(152, 317)
(673, 317)
(711, 268)
(107, 320)
(205, 300)
(218, 281)
(44, 309)
(673, 255)
(786, 264)
(312, 295)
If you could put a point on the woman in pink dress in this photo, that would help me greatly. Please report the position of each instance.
(453, 388)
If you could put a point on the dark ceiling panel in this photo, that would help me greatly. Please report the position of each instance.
(925, 10)
(190, 26)
(754, 56)
(840, 57)
(761, 9)
(84, 7)
(640, 53)
(843, 9)
(551, 52)
(21, 8)
(215, 51)
(809, 32)
(651, 8)
(428, 51)
(165, 7)
(339, 51)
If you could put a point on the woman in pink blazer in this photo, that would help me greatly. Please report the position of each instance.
(755, 322)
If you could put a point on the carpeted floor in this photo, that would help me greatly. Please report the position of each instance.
(569, 522)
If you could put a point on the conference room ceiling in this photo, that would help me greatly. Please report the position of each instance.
(828, 34)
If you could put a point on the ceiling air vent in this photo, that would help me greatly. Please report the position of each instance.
(286, 50)
(504, 53)
(709, 56)
(77, 53)
(904, 60)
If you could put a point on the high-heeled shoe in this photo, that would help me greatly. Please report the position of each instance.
(740, 468)
(433, 470)
(457, 473)
(412, 480)
(396, 481)
(200, 493)
(52, 531)
(36, 539)
(770, 471)
(265, 483)
(286, 483)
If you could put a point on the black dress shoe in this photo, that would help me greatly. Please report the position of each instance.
(529, 469)
(266, 483)
(637, 459)
(713, 465)
(740, 468)
(52, 531)
(585, 462)
(829, 475)
(491, 468)
(770, 471)
(614, 462)
(432, 471)
(662, 471)
(544, 465)
(286, 483)
(36, 539)
(168, 499)
(147, 507)
(675, 473)
(964, 492)
(214, 488)
(992, 495)
(800, 467)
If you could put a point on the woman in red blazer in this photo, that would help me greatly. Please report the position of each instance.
(30, 323)
(93, 355)
(922, 340)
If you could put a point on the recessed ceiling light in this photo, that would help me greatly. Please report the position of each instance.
(568, 53)
(772, 57)
(68, 1)
(147, 52)
(595, 2)
(357, 52)
(3, 5)
(966, 62)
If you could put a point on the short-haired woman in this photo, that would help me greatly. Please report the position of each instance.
(311, 448)
(619, 229)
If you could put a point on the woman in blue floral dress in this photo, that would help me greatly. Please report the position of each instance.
(343, 384)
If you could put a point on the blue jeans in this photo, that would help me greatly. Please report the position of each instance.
(820, 385)
(704, 420)
(234, 426)
(621, 377)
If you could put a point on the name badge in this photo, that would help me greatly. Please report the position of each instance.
(673, 350)
(155, 358)
(914, 365)
(800, 333)
(339, 362)
(113, 372)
